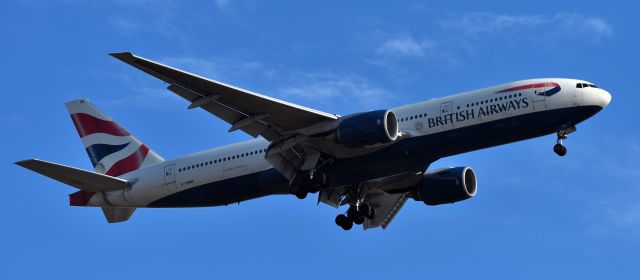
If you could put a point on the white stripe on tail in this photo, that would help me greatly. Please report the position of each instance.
(111, 148)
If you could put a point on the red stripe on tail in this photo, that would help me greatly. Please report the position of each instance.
(130, 163)
(80, 198)
(87, 124)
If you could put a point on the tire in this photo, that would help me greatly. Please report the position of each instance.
(358, 220)
(560, 150)
(352, 213)
(347, 226)
(344, 222)
(364, 210)
(301, 195)
(372, 214)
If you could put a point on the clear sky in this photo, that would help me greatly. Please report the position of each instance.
(535, 216)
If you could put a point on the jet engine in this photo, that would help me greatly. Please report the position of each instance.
(368, 129)
(446, 186)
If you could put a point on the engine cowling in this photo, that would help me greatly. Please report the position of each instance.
(446, 186)
(368, 129)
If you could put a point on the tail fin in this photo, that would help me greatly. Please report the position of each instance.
(112, 149)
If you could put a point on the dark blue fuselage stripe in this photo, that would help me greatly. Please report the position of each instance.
(551, 91)
(97, 152)
(411, 154)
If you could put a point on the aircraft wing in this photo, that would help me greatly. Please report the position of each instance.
(250, 112)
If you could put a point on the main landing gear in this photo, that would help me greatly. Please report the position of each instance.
(307, 183)
(355, 215)
(558, 148)
(358, 210)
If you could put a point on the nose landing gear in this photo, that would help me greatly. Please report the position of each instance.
(558, 148)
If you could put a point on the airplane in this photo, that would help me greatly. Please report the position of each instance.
(370, 162)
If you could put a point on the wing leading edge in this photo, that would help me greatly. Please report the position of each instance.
(253, 113)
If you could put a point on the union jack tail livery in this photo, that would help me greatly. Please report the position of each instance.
(111, 148)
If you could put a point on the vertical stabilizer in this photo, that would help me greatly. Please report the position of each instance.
(111, 148)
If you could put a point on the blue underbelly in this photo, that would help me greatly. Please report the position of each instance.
(412, 154)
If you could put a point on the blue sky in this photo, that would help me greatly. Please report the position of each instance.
(536, 215)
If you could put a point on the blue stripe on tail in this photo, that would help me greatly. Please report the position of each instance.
(97, 152)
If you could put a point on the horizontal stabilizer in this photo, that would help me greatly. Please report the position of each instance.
(117, 214)
(79, 178)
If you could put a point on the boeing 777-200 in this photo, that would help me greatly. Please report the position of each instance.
(370, 162)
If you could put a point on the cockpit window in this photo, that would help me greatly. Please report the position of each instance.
(593, 86)
(578, 85)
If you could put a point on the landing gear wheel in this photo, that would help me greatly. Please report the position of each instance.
(298, 191)
(372, 214)
(301, 195)
(364, 210)
(352, 213)
(344, 222)
(358, 220)
(560, 150)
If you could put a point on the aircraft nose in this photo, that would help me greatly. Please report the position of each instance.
(603, 98)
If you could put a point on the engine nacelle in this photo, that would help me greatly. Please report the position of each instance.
(446, 186)
(368, 129)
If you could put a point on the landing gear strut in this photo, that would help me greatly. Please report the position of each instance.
(558, 148)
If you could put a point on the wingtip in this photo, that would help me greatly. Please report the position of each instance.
(24, 162)
(121, 55)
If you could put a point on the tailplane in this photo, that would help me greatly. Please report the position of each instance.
(111, 148)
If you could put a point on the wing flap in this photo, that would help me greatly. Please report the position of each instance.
(386, 208)
(75, 177)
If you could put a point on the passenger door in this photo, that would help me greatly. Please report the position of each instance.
(170, 177)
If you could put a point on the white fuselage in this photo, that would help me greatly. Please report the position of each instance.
(419, 119)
